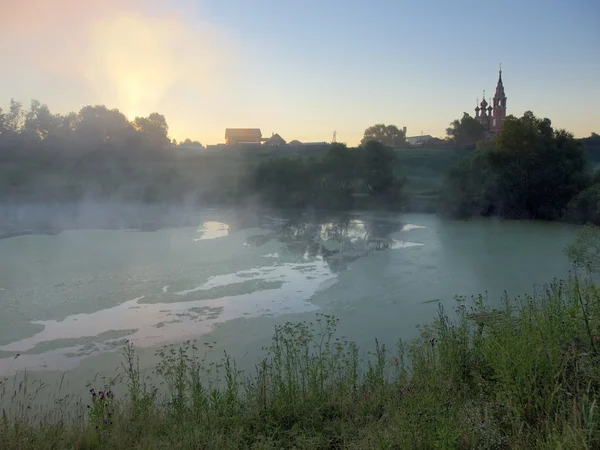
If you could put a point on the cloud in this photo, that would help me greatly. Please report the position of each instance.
(128, 54)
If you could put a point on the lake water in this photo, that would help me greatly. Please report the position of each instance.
(70, 300)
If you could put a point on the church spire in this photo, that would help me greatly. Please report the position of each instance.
(499, 103)
(500, 85)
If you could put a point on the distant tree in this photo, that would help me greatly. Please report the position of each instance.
(389, 135)
(533, 172)
(66, 125)
(379, 168)
(189, 143)
(40, 122)
(153, 129)
(465, 132)
(487, 144)
(99, 127)
(2, 122)
(340, 167)
(14, 117)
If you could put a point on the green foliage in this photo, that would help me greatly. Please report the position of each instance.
(585, 206)
(332, 182)
(380, 169)
(466, 132)
(524, 376)
(153, 128)
(584, 252)
(533, 172)
(389, 135)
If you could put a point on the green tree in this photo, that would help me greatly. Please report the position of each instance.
(469, 188)
(40, 122)
(533, 172)
(2, 122)
(100, 127)
(389, 135)
(153, 129)
(340, 167)
(380, 169)
(465, 132)
(14, 117)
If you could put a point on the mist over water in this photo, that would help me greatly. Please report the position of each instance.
(103, 274)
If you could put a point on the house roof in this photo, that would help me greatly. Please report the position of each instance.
(417, 139)
(275, 140)
(243, 132)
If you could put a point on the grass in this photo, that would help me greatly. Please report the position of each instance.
(525, 376)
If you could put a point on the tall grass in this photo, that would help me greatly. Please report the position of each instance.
(525, 376)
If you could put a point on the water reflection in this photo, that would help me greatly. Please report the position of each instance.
(213, 230)
(266, 266)
(341, 241)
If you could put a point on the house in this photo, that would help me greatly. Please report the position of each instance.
(418, 141)
(275, 140)
(234, 136)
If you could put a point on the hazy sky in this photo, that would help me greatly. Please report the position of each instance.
(304, 68)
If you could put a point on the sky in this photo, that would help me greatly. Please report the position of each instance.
(304, 69)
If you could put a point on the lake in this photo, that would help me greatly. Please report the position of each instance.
(71, 299)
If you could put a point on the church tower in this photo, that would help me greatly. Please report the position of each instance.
(499, 108)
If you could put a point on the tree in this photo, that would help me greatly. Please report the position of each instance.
(14, 117)
(533, 172)
(98, 127)
(379, 167)
(340, 167)
(40, 122)
(466, 131)
(388, 135)
(154, 129)
(2, 122)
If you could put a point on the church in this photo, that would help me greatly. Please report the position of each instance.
(491, 115)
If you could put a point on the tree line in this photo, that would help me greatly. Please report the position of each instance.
(92, 129)
(341, 179)
(529, 170)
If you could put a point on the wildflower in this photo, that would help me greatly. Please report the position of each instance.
(101, 395)
(105, 421)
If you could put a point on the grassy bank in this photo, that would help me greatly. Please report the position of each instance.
(526, 376)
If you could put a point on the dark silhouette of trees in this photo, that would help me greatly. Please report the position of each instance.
(380, 169)
(389, 135)
(533, 172)
(153, 129)
(333, 181)
(465, 132)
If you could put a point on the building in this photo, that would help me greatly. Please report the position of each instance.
(418, 141)
(275, 140)
(235, 136)
(491, 115)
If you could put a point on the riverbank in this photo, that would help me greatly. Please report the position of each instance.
(525, 376)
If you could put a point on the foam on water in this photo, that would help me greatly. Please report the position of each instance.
(161, 323)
